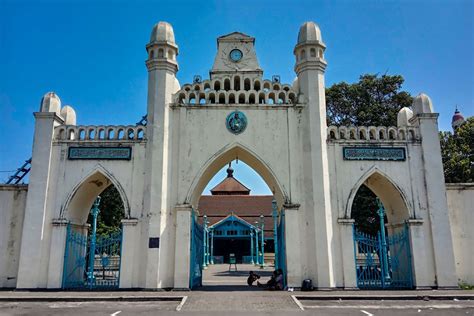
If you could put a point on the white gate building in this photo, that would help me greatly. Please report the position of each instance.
(192, 131)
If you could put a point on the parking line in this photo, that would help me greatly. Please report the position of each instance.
(183, 300)
(297, 302)
(116, 313)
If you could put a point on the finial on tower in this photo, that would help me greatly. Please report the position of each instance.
(422, 104)
(230, 171)
(162, 49)
(50, 103)
(309, 50)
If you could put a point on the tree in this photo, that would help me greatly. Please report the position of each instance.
(364, 211)
(111, 212)
(374, 100)
(457, 153)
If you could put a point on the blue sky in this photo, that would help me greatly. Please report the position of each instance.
(91, 53)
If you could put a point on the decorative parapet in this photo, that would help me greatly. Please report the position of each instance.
(372, 133)
(236, 90)
(99, 133)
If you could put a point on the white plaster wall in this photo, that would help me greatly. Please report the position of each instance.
(200, 143)
(347, 176)
(68, 175)
(268, 145)
(12, 212)
(461, 214)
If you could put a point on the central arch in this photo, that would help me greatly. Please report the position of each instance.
(221, 158)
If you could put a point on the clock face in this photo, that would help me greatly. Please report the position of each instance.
(235, 55)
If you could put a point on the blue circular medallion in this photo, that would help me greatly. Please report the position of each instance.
(236, 122)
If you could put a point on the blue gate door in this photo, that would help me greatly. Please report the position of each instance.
(281, 246)
(383, 261)
(197, 252)
(91, 262)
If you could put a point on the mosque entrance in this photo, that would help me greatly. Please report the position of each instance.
(240, 232)
(93, 249)
(381, 242)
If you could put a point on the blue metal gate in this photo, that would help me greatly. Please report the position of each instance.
(197, 252)
(383, 261)
(91, 262)
(280, 249)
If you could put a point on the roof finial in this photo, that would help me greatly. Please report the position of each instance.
(230, 171)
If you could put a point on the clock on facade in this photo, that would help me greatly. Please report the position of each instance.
(236, 55)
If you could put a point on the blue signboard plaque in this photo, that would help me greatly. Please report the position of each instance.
(97, 153)
(374, 153)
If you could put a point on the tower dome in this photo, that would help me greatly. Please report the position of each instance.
(422, 104)
(458, 119)
(162, 32)
(295, 85)
(69, 115)
(50, 103)
(309, 32)
(404, 116)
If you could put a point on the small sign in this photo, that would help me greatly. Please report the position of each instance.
(154, 242)
(374, 153)
(106, 153)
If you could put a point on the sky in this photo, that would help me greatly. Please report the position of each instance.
(92, 53)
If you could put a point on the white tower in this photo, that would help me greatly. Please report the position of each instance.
(310, 67)
(31, 272)
(427, 122)
(162, 83)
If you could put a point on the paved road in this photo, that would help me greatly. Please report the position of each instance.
(388, 307)
(266, 307)
(226, 293)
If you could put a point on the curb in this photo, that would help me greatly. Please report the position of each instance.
(90, 298)
(386, 297)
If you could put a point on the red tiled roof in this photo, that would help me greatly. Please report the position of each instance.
(230, 186)
(241, 205)
(247, 207)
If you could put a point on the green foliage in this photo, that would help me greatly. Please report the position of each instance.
(364, 211)
(457, 152)
(466, 286)
(111, 212)
(374, 100)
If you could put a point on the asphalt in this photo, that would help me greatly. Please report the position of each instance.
(225, 291)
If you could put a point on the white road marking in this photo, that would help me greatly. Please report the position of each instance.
(116, 313)
(183, 301)
(367, 313)
(297, 302)
(440, 306)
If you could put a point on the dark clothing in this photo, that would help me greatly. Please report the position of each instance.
(252, 278)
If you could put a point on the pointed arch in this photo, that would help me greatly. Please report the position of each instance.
(79, 201)
(220, 159)
(390, 194)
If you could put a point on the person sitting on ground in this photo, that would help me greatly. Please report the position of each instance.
(275, 282)
(279, 280)
(252, 278)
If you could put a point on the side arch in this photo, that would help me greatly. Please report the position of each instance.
(79, 201)
(221, 158)
(396, 204)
